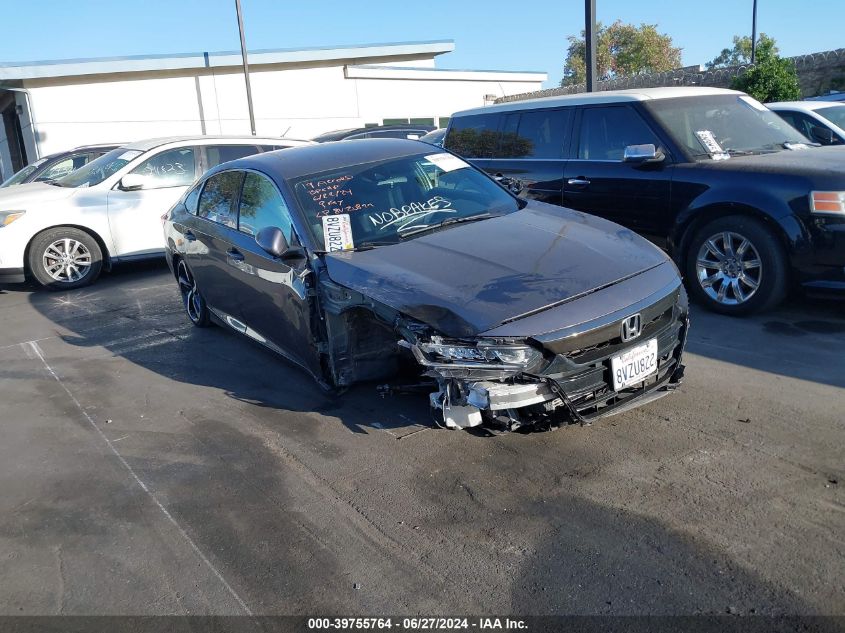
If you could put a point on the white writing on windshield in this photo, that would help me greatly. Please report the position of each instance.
(409, 213)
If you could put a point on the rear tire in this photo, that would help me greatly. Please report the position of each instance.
(192, 299)
(64, 258)
(735, 265)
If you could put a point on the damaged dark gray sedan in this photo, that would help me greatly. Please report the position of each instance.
(364, 260)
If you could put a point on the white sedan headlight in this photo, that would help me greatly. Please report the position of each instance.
(7, 217)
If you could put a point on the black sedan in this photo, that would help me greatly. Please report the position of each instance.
(57, 165)
(361, 259)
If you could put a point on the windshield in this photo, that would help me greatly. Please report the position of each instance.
(716, 126)
(19, 177)
(834, 114)
(99, 169)
(380, 203)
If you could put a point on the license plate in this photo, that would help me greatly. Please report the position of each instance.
(635, 365)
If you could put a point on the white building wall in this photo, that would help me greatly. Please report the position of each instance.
(296, 102)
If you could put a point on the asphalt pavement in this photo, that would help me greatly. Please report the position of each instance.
(149, 467)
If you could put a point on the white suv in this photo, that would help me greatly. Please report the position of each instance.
(63, 232)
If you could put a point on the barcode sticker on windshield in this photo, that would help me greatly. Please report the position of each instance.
(446, 162)
(337, 233)
(708, 140)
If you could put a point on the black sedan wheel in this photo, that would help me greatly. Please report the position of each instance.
(192, 299)
(735, 265)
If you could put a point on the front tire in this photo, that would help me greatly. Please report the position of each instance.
(192, 299)
(736, 265)
(64, 258)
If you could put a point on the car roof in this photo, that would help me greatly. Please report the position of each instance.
(605, 96)
(319, 157)
(339, 134)
(805, 106)
(151, 143)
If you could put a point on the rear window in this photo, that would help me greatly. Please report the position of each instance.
(534, 134)
(217, 154)
(474, 136)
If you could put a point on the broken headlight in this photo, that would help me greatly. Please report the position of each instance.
(521, 356)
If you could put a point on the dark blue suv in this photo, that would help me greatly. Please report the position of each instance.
(745, 204)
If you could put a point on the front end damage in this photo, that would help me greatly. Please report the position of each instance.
(548, 389)
(509, 382)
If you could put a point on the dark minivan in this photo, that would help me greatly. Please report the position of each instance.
(740, 199)
(357, 259)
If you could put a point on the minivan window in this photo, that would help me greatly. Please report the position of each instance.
(219, 197)
(64, 167)
(261, 206)
(804, 123)
(606, 132)
(834, 114)
(22, 174)
(171, 168)
(474, 136)
(534, 134)
(216, 154)
(99, 169)
(737, 123)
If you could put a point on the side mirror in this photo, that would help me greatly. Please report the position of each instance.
(646, 153)
(272, 241)
(131, 182)
(822, 134)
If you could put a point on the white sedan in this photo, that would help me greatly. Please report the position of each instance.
(820, 121)
(63, 232)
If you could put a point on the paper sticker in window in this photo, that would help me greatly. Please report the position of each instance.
(446, 162)
(708, 140)
(337, 233)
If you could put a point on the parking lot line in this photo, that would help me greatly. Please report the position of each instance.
(36, 349)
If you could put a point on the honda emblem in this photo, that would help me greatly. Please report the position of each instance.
(632, 327)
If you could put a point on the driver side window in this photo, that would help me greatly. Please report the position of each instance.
(171, 168)
(606, 131)
(261, 206)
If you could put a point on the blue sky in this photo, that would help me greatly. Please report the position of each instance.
(488, 34)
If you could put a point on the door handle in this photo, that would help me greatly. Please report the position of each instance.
(235, 255)
(190, 236)
(578, 182)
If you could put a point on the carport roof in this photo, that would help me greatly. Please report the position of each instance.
(15, 71)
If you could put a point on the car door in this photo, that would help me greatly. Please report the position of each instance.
(135, 215)
(598, 181)
(274, 301)
(530, 159)
(211, 252)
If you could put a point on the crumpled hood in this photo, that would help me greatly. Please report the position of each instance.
(469, 278)
(33, 193)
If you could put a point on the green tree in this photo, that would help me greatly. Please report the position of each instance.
(772, 79)
(621, 50)
(741, 52)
